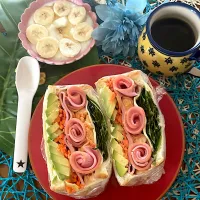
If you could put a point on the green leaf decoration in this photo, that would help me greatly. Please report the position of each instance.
(153, 128)
(10, 53)
(101, 127)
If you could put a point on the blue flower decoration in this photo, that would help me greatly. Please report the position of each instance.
(121, 27)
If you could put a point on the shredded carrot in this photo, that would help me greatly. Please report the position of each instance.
(81, 186)
(91, 144)
(62, 148)
(61, 127)
(112, 97)
(78, 183)
(75, 180)
(60, 110)
(118, 118)
(125, 142)
(61, 118)
(57, 119)
(63, 121)
(124, 145)
(69, 190)
(56, 140)
(61, 138)
(109, 83)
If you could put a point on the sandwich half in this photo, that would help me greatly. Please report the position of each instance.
(75, 135)
(138, 127)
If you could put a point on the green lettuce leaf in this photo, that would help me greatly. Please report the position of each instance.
(153, 128)
(10, 53)
(101, 128)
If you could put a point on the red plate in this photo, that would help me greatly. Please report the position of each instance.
(174, 137)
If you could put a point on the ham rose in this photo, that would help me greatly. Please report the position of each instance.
(139, 155)
(75, 132)
(87, 161)
(76, 98)
(62, 98)
(134, 120)
(125, 86)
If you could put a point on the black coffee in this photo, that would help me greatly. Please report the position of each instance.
(173, 34)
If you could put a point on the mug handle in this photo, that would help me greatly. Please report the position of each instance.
(194, 71)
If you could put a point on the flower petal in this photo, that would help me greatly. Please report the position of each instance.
(142, 20)
(120, 6)
(117, 50)
(136, 6)
(125, 48)
(134, 34)
(118, 11)
(100, 33)
(103, 12)
(110, 24)
(132, 50)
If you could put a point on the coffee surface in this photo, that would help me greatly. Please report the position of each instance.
(173, 34)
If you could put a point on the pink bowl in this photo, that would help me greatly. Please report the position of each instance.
(27, 45)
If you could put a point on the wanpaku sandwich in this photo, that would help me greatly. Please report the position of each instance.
(75, 137)
(138, 136)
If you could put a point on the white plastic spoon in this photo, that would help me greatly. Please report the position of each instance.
(27, 81)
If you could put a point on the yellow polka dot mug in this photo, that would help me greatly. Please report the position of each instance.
(166, 62)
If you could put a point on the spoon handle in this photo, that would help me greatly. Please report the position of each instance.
(22, 128)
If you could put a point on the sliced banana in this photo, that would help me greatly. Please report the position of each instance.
(44, 16)
(69, 48)
(47, 47)
(77, 15)
(61, 22)
(67, 31)
(55, 32)
(62, 8)
(82, 32)
(36, 32)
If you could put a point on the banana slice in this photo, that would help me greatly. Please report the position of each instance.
(44, 16)
(66, 31)
(36, 32)
(82, 32)
(62, 8)
(47, 47)
(69, 48)
(77, 15)
(55, 32)
(61, 22)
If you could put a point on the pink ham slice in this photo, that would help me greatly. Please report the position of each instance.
(71, 148)
(76, 98)
(139, 155)
(125, 86)
(75, 132)
(87, 161)
(134, 120)
(62, 98)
